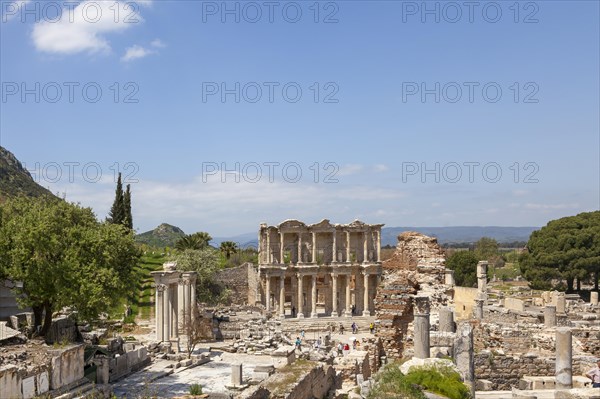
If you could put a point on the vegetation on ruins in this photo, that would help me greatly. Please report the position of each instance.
(206, 263)
(565, 249)
(390, 383)
(120, 211)
(464, 264)
(64, 257)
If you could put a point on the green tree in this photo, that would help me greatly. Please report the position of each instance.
(486, 249)
(205, 262)
(228, 248)
(64, 257)
(197, 240)
(464, 264)
(116, 215)
(566, 248)
(127, 218)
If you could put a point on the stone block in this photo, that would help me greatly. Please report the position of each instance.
(43, 383)
(28, 387)
(10, 383)
(122, 365)
(61, 330)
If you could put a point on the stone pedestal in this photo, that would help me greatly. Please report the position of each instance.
(550, 316)
(236, 374)
(478, 309)
(463, 355)
(564, 356)
(421, 323)
(446, 317)
(482, 276)
(594, 298)
(561, 302)
(449, 277)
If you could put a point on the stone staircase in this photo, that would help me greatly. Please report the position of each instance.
(322, 324)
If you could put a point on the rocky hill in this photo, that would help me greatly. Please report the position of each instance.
(15, 180)
(164, 235)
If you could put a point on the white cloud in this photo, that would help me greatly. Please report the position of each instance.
(84, 28)
(350, 169)
(547, 207)
(380, 168)
(136, 52)
(158, 43)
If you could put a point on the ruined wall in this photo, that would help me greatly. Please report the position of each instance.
(506, 371)
(464, 300)
(415, 268)
(242, 281)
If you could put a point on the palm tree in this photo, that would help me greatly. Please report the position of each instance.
(193, 241)
(228, 248)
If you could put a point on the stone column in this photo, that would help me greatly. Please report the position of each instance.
(333, 248)
(347, 247)
(463, 355)
(446, 317)
(594, 298)
(365, 245)
(193, 295)
(314, 297)
(449, 277)
(236, 374)
(174, 316)
(550, 316)
(478, 309)
(159, 314)
(367, 308)
(167, 313)
(281, 247)
(268, 247)
(564, 356)
(348, 312)
(300, 296)
(421, 323)
(314, 247)
(282, 296)
(334, 304)
(268, 292)
(482, 276)
(378, 246)
(299, 260)
(561, 303)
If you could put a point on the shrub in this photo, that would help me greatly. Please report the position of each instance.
(390, 383)
(195, 389)
(439, 379)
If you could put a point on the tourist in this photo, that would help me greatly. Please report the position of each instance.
(346, 348)
(354, 344)
(353, 309)
(371, 327)
(319, 342)
(293, 311)
(357, 345)
(594, 375)
(341, 329)
(340, 348)
(354, 328)
(298, 343)
(302, 334)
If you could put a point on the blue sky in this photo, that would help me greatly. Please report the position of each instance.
(162, 67)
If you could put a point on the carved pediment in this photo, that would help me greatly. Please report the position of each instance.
(323, 225)
(291, 224)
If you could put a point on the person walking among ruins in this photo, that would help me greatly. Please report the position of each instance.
(298, 343)
(340, 348)
(594, 375)
(293, 311)
(341, 329)
(302, 334)
(371, 327)
(354, 328)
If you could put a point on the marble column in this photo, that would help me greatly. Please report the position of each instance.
(347, 247)
(236, 374)
(378, 246)
(299, 260)
(594, 298)
(313, 297)
(282, 297)
(333, 248)
(268, 292)
(463, 355)
(314, 247)
(478, 309)
(561, 303)
(366, 307)
(268, 249)
(365, 245)
(421, 323)
(550, 316)
(159, 315)
(166, 314)
(300, 296)
(174, 315)
(482, 276)
(564, 357)
(281, 240)
(446, 317)
(334, 285)
(348, 312)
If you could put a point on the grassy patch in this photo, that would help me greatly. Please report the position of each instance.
(439, 379)
(390, 383)
(289, 375)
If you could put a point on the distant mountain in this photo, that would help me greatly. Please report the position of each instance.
(461, 234)
(15, 180)
(445, 235)
(164, 235)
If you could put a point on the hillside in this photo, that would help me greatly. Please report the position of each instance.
(164, 235)
(15, 180)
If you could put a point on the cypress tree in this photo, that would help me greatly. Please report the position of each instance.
(117, 211)
(128, 219)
